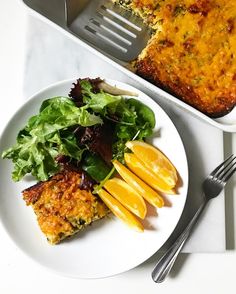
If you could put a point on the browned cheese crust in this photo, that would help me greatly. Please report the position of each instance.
(192, 53)
(62, 209)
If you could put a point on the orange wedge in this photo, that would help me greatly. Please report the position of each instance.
(155, 160)
(127, 196)
(120, 211)
(142, 188)
(137, 166)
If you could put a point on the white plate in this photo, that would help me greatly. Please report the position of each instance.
(107, 247)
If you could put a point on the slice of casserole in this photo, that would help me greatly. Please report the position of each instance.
(61, 207)
(192, 53)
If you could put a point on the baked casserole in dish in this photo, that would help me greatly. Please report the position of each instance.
(192, 51)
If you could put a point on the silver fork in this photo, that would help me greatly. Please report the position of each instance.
(212, 186)
(107, 26)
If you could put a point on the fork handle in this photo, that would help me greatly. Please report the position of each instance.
(165, 264)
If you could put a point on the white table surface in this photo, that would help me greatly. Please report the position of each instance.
(208, 273)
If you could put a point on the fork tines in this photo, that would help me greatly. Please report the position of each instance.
(225, 170)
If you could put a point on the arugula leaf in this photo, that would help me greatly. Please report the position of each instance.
(44, 137)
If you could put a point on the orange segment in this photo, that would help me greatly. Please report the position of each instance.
(120, 211)
(142, 188)
(127, 196)
(137, 166)
(155, 160)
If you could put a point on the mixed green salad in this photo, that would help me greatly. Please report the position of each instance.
(86, 130)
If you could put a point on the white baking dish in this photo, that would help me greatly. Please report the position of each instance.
(53, 12)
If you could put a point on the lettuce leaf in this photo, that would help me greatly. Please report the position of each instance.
(45, 137)
(100, 102)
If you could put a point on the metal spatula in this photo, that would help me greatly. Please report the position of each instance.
(108, 27)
